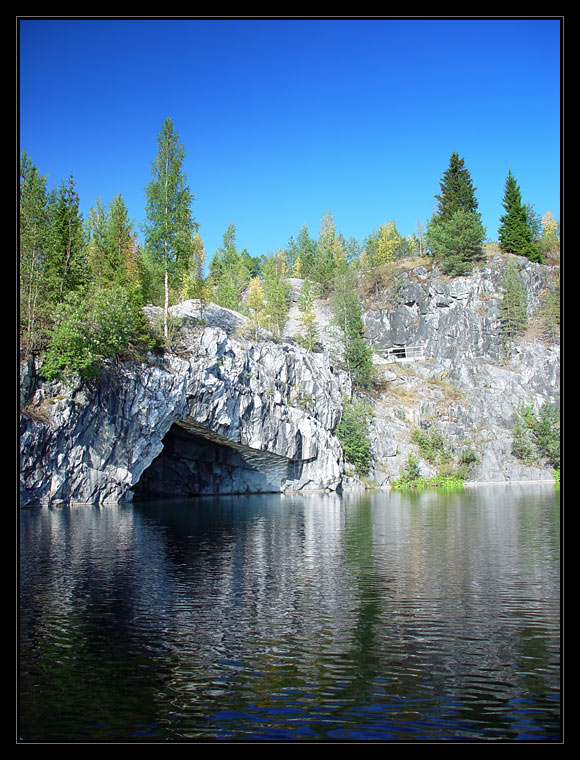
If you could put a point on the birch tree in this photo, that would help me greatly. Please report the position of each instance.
(170, 226)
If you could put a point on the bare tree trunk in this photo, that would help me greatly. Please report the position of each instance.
(166, 307)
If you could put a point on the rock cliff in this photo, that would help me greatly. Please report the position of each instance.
(222, 415)
(225, 413)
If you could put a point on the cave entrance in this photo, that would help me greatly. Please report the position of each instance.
(194, 461)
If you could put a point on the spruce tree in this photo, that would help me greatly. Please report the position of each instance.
(457, 191)
(34, 220)
(515, 232)
(455, 234)
(229, 272)
(513, 316)
(65, 261)
(356, 352)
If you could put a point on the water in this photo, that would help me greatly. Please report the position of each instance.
(369, 617)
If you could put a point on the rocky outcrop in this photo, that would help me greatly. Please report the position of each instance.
(466, 384)
(225, 415)
(225, 412)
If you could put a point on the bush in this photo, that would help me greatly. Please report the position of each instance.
(88, 328)
(537, 436)
(353, 435)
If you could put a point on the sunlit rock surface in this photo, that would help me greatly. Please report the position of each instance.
(226, 412)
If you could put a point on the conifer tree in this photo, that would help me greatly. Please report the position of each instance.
(229, 272)
(455, 233)
(513, 316)
(194, 283)
(457, 191)
(356, 351)
(515, 234)
(34, 221)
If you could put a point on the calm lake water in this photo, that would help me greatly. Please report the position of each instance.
(371, 617)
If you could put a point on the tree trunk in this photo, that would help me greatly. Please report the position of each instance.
(166, 306)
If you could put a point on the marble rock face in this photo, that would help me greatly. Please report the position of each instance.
(229, 411)
(226, 415)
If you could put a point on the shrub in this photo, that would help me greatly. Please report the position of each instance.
(353, 435)
(88, 328)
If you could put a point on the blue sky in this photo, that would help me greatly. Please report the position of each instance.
(285, 120)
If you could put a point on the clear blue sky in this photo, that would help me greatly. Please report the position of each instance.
(284, 120)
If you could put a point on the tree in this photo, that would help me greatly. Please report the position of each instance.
(34, 221)
(356, 351)
(353, 435)
(88, 327)
(276, 292)
(194, 283)
(65, 260)
(515, 232)
(330, 254)
(513, 314)
(304, 250)
(307, 318)
(120, 243)
(170, 226)
(229, 272)
(456, 242)
(256, 304)
(457, 191)
(455, 234)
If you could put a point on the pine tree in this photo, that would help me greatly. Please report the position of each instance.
(170, 226)
(515, 233)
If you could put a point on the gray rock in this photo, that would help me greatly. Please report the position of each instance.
(224, 413)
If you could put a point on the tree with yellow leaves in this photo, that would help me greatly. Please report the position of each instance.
(256, 303)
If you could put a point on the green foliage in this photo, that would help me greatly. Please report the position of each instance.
(353, 435)
(229, 272)
(457, 191)
(356, 352)
(513, 314)
(307, 319)
(90, 327)
(516, 228)
(411, 478)
(276, 293)
(456, 241)
(431, 445)
(169, 226)
(455, 234)
(33, 240)
(550, 313)
(536, 436)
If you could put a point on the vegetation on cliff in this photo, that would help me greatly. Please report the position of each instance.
(83, 283)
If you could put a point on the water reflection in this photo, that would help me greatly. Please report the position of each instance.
(368, 616)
